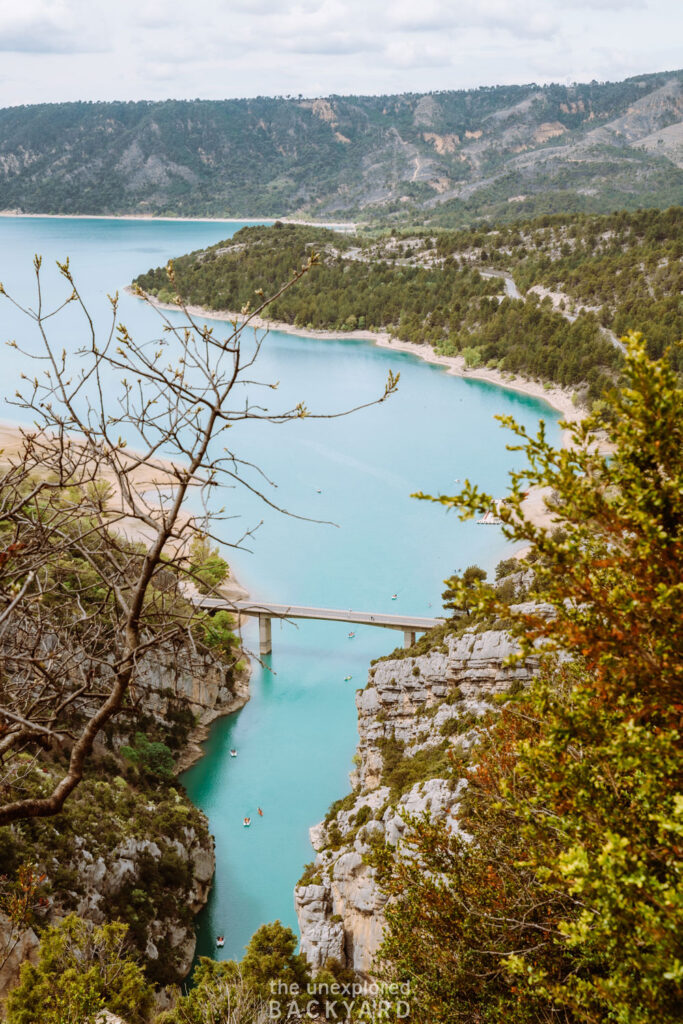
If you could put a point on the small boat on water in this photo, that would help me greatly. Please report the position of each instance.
(394, 597)
(351, 636)
(233, 753)
(260, 812)
(247, 822)
(346, 678)
(220, 941)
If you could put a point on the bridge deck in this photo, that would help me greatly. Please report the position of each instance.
(286, 611)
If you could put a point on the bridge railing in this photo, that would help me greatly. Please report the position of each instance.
(410, 625)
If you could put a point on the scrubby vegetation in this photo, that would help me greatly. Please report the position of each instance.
(401, 773)
(209, 569)
(614, 273)
(565, 903)
(137, 814)
(82, 970)
(129, 806)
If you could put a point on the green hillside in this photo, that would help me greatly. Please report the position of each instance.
(451, 157)
(605, 275)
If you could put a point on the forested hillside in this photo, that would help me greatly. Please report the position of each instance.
(626, 268)
(505, 151)
(545, 299)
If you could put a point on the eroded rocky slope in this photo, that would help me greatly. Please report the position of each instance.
(177, 684)
(129, 846)
(490, 151)
(416, 718)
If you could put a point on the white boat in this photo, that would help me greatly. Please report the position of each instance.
(490, 517)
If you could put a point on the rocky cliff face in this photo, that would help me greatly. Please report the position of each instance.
(411, 714)
(185, 864)
(144, 860)
(173, 679)
(138, 852)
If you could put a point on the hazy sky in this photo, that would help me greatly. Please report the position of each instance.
(154, 49)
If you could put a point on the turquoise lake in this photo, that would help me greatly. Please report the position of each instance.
(296, 736)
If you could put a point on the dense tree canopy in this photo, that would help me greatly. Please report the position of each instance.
(607, 275)
(270, 973)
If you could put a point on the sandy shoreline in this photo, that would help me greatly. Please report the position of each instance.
(152, 477)
(146, 478)
(341, 225)
(158, 475)
(558, 398)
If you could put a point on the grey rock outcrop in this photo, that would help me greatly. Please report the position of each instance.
(430, 701)
(206, 687)
(16, 946)
(107, 878)
(175, 677)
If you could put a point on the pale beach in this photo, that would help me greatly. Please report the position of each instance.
(560, 399)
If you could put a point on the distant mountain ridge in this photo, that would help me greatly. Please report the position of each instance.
(448, 157)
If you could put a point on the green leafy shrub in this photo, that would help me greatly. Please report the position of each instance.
(208, 567)
(153, 759)
(217, 631)
(401, 773)
(566, 902)
(81, 970)
(362, 815)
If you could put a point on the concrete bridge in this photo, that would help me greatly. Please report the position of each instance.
(410, 625)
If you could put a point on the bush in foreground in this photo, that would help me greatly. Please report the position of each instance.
(566, 904)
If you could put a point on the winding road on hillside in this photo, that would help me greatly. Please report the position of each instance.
(555, 297)
(511, 290)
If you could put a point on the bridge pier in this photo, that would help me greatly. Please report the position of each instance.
(410, 625)
(265, 634)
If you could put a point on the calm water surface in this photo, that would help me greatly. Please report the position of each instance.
(296, 736)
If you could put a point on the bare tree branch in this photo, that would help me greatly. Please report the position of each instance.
(95, 532)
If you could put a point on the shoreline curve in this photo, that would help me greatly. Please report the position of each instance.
(560, 399)
(332, 225)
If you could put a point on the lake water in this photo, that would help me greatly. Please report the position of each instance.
(296, 736)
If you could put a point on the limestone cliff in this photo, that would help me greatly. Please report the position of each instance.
(413, 712)
(173, 680)
(129, 846)
(142, 857)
